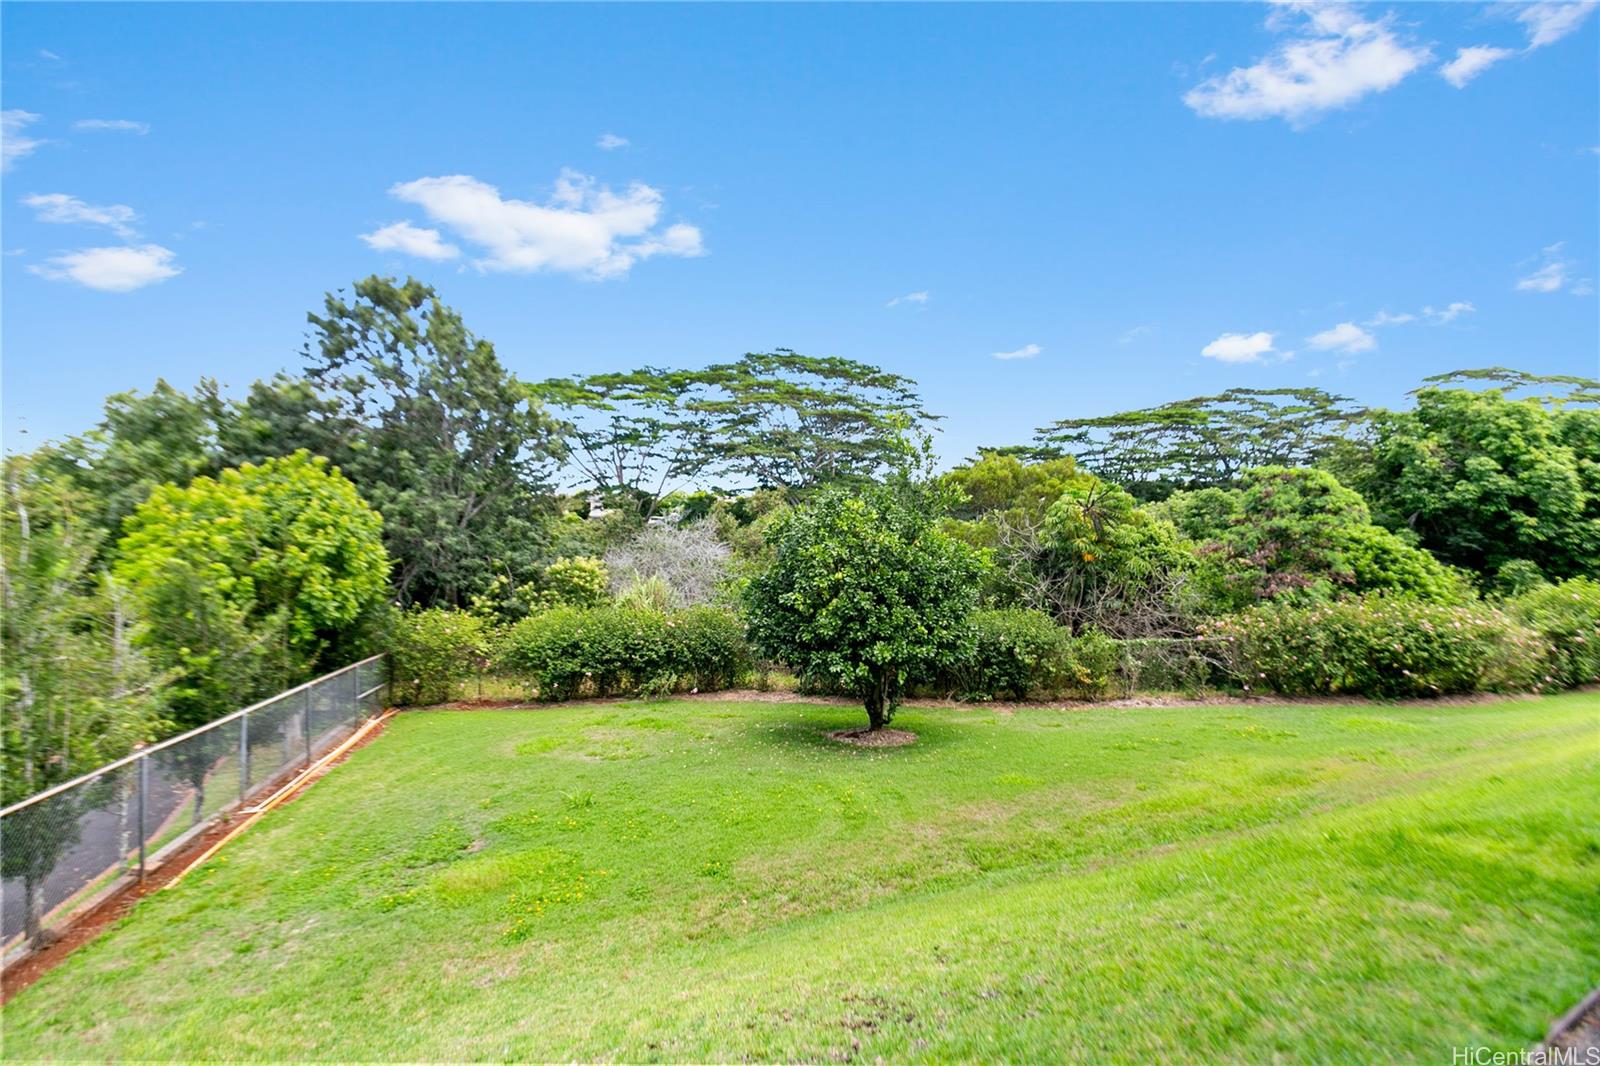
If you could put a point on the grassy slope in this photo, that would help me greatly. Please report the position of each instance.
(712, 881)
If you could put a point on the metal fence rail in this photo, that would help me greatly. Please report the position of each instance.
(63, 848)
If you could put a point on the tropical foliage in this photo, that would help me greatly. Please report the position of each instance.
(628, 532)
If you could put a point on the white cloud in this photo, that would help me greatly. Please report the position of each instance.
(45, 53)
(1470, 62)
(112, 269)
(583, 229)
(1345, 337)
(1027, 351)
(1554, 271)
(59, 207)
(1430, 314)
(111, 125)
(1239, 347)
(610, 142)
(14, 144)
(1335, 58)
(1551, 20)
(909, 298)
(411, 240)
(1448, 314)
(1133, 334)
(1548, 278)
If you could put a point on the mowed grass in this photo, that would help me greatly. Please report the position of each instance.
(714, 881)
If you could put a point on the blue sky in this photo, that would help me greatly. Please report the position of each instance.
(1136, 203)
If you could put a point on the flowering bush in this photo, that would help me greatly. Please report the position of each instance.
(1568, 617)
(1378, 646)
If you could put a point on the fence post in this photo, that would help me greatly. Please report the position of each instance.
(305, 722)
(244, 756)
(144, 787)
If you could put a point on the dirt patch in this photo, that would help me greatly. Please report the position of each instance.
(91, 923)
(868, 738)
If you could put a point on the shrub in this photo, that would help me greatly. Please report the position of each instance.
(1015, 652)
(578, 581)
(647, 593)
(1568, 617)
(708, 648)
(1094, 662)
(1517, 577)
(1164, 664)
(433, 652)
(1377, 646)
(618, 651)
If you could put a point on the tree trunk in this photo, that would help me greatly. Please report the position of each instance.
(878, 702)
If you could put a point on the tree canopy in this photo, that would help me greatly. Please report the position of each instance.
(1206, 441)
(1483, 480)
(638, 434)
(863, 589)
(451, 448)
(799, 422)
(254, 573)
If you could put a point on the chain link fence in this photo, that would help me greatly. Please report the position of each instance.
(65, 847)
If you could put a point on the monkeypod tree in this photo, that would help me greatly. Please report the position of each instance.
(801, 423)
(1206, 441)
(864, 589)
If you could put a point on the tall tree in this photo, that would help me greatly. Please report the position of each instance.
(798, 422)
(288, 539)
(1555, 390)
(639, 434)
(258, 576)
(452, 449)
(1206, 441)
(284, 415)
(1301, 535)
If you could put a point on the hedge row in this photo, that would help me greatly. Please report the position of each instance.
(1387, 647)
(625, 651)
(568, 652)
(1378, 646)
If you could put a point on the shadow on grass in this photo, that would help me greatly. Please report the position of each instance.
(805, 731)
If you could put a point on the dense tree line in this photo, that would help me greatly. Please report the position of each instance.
(195, 550)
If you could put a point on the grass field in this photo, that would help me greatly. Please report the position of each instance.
(716, 881)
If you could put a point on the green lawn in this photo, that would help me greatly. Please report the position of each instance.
(715, 881)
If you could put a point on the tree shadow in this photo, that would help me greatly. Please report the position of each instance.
(805, 731)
